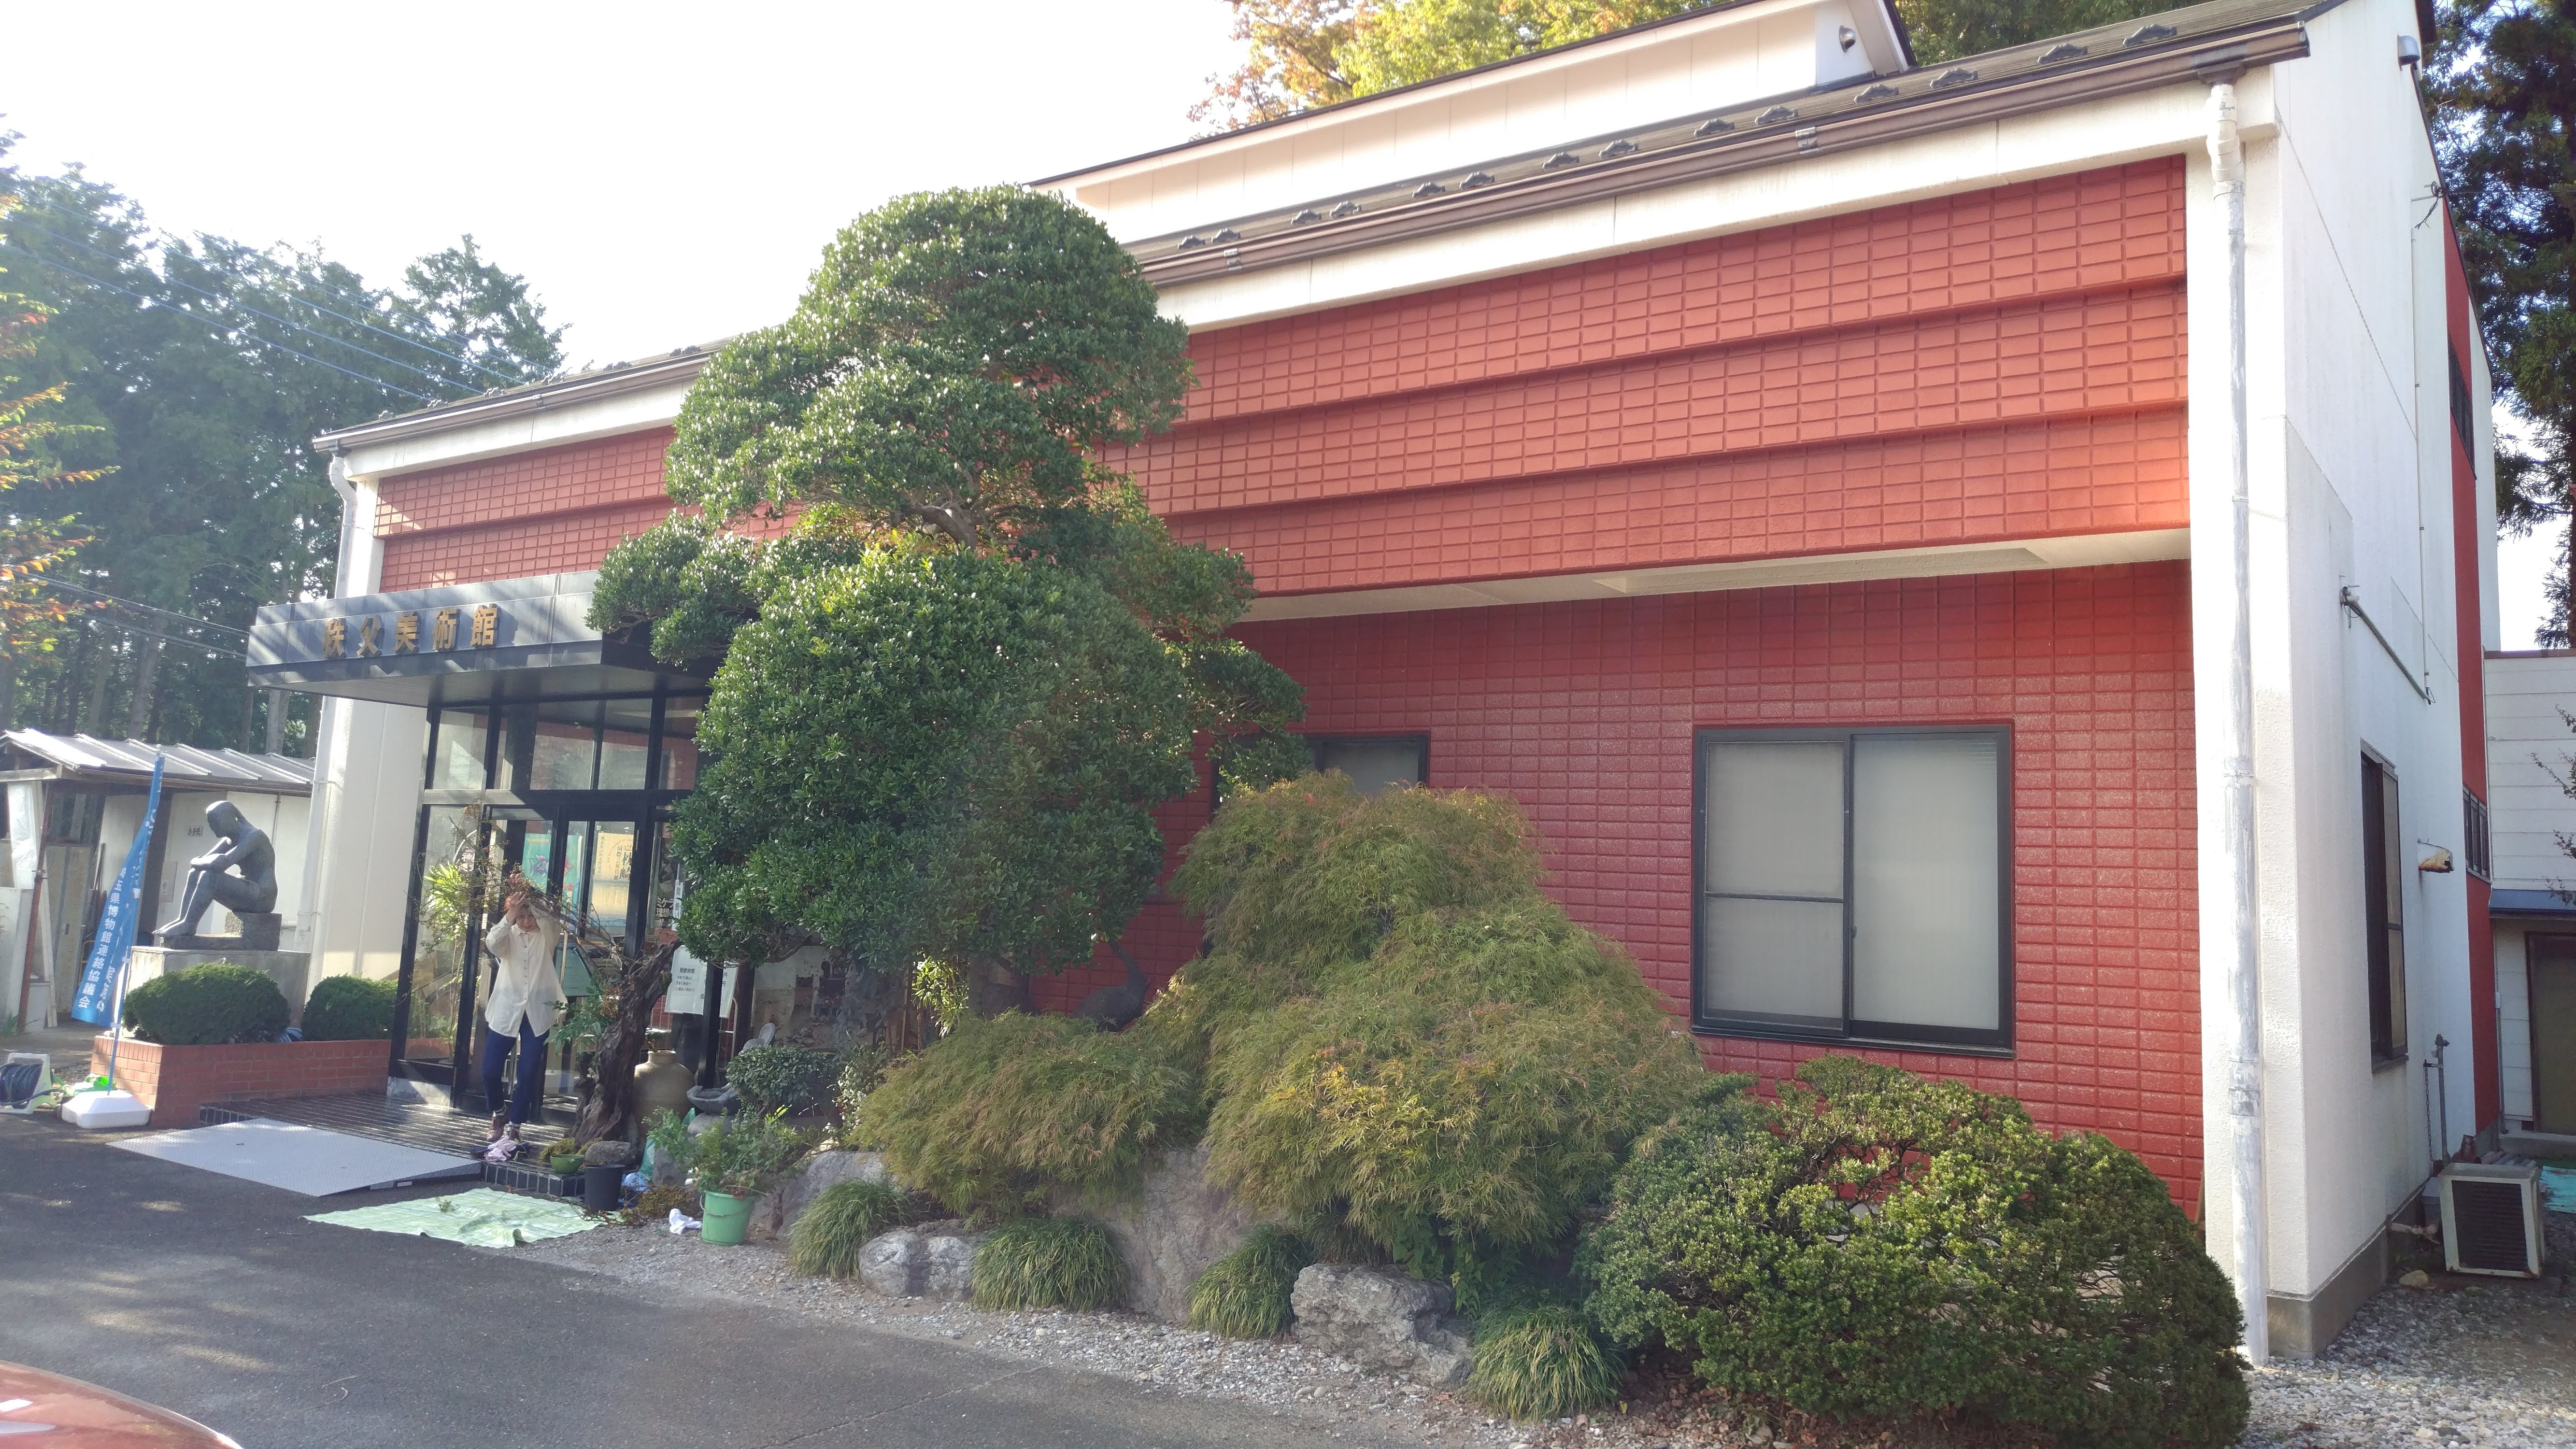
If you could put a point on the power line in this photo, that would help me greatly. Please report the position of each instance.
(222, 330)
(254, 311)
(42, 582)
(458, 358)
(137, 629)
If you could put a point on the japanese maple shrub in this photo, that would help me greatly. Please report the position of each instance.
(1870, 1243)
(1406, 1043)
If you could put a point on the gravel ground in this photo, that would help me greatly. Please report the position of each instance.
(2461, 1361)
(2464, 1362)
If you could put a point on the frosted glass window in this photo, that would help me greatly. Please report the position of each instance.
(1927, 861)
(457, 764)
(1374, 765)
(1852, 885)
(1775, 820)
(1774, 959)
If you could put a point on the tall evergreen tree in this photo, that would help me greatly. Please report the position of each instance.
(200, 370)
(2505, 81)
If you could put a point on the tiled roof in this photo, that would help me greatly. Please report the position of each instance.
(1866, 110)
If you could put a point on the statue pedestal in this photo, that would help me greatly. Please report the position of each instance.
(259, 930)
(286, 968)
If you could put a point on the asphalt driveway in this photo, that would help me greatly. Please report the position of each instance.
(214, 1297)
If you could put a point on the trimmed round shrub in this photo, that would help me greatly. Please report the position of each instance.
(1874, 1244)
(349, 1008)
(829, 1233)
(1245, 1294)
(1541, 1362)
(1049, 1263)
(1000, 1114)
(206, 1006)
(797, 1079)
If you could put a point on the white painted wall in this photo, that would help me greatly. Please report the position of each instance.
(2351, 488)
(1741, 54)
(366, 782)
(2530, 748)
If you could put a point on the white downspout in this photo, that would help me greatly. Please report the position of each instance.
(2244, 979)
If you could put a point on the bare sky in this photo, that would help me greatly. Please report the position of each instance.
(662, 174)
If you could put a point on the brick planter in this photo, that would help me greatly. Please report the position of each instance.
(175, 1080)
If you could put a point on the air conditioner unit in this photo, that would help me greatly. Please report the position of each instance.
(2491, 1219)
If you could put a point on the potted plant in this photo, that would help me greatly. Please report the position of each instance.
(737, 1161)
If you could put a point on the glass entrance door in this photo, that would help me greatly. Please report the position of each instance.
(571, 794)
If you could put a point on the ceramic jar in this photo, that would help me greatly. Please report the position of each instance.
(662, 1085)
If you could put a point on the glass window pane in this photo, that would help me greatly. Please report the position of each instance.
(612, 868)
(1779, 960)
(1373, 765)
(679, 744)
(447, 916)
(458, 763)
(563, 757)
(1927, 914)
(1775, 820)
(623, 755)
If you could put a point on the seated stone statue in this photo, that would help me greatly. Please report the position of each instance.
(253, 891)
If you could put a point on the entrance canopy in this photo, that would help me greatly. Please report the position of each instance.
(519, 639)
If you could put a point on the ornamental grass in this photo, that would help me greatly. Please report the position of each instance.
(1049, 1263)
(1245, 1294)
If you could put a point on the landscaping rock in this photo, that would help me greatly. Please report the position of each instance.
(609, 1152)
(948, 1268)
(894, 1263)
(1383, 1321)
(1172, 1231)
(776, 1212)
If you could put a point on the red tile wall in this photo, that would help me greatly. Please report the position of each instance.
(1585, 713)
(558, 510)
(1997, 365)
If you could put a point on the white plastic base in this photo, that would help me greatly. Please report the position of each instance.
(100, 1111)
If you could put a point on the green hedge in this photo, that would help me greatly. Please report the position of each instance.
(1874, 1244)
(207, 1005)
(349, 1008)
(799, 1079)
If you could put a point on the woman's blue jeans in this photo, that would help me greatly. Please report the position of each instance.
(532, 1070)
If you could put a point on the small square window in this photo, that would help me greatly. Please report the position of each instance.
(1375, 762)
(1855, 885)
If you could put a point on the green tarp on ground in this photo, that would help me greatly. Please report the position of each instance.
(483, 1217)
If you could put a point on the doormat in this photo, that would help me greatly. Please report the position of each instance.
(483, 1218)
(309, 1160)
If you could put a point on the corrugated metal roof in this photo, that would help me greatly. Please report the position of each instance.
(87, 755)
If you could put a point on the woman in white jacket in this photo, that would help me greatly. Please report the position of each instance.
(527, 997)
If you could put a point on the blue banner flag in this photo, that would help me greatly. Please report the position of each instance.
(101, 981)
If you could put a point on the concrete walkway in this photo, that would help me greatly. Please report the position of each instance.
(214, 1297)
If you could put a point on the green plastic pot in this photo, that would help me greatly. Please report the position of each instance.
(724, 1218)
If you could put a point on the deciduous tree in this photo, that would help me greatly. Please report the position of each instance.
(1300, 54)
